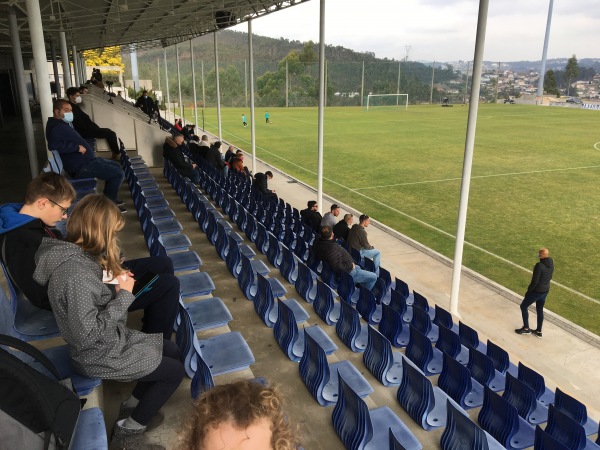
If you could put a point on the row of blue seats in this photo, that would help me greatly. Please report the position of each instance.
(501, 360)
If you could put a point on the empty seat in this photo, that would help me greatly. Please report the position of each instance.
(421, 302)
(392, 327)
(443, 317)
(567, 431)
(273, 253)
(195, 284)
(422, 401)
(382, 362)
(321, 378)
(349, 329)
(398, 303)
(522, 397)
(422, 354)
(362, 429)
(501, 419)
(290, 340)
(288, 268)
(401, 287)
(455, 380)
(202, 380)
(324, 305)
(536, 382)
(469, 337)
(575, 410)
(543, 441)
(346, 288)
(461, 433)
(208, 313)
(449, 342)
(367, 306)
(482, 369)
(248, 284)
(422, 322)
(328, 276)
(499, 357)
(305, 283)
(266, 308)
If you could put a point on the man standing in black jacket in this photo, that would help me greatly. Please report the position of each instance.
(146, 104)
(86, 127)
(537, 292)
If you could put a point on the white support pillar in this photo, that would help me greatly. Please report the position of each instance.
(23, 95)
(251, 72)
(54, 66)
(64, 56)
(179, 81)
(83, 67)
(287, 84)
(362, 85)
(468, 159)
(217, 86)
(540, 87)
(167, 84)
(432, 78)
(39, 58)
(158, 72)
(203, 90)
(194, 86)
(75, 71)
(321, 105)
(246, 83)
(134, 69)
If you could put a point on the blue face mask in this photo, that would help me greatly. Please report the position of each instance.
(68, 117)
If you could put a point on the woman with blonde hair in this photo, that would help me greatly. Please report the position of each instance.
(91, 315)
(243, 415)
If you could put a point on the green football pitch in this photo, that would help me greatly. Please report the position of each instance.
(535, 178)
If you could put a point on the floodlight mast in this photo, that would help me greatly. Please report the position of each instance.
(540, 88)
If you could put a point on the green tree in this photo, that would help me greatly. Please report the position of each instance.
(550, 85)
(231, 86)
(571, 71)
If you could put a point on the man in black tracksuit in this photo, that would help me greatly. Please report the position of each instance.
(537, 292)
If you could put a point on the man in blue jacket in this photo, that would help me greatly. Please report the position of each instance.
(78, 156)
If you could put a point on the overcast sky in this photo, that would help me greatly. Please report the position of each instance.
(443, 30)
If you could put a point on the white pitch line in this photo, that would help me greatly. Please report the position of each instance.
(439, 230)
(596, 146)
(481, 176)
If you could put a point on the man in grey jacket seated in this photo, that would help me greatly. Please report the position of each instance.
(328, 250)
(357, 239)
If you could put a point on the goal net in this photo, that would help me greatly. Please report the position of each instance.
(386, 101)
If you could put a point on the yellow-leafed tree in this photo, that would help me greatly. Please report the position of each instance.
(107, 56)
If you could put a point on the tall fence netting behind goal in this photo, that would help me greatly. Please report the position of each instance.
(377, 101)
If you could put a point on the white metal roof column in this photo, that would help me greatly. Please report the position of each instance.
(40, 59)
(540, 87)
(468, 158)
(167, 85)
(217, 86)
(54, 67)
(179, 81)
(135, 74)
(75, 71)
(252, 126)
(194, 87)
(321, 104)
(64, 56)
(82, 71)
(22, 88)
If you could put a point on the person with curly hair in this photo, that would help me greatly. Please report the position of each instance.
(242, 415)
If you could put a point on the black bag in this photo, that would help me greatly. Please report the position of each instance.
(36, 411)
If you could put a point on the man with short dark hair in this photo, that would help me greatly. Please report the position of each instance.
(329, 218)
(172, 150)
(77, 156)
(86, 127)
(311, 216)
(342, 228)
(328, 250)
(357, 239)
(146, 104)
(260, 183)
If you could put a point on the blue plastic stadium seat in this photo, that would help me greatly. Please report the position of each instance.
(421, 302)
(305, 283)
(328, 276)
(202, 380)
(404, 290)
(392, 327)
(543, 441)
(536, 382)
(482, 369)
(575, 410)
(462, 434)
(291, 340)
(347, 289)
(382, 362)
(248, 284)
(422, 322)
(267, 309)
(501, 419)
(455, 380)
(422, 401)
(208, 313)
(443, 317)
(185, 261)
(362, 429)
(367, 307)
(398, 303)
(469, 337)
(349, 329)
(567, 431)
(288, 267)
(195, 284)
(522, 397)
(274, 252)
(449, 342)
(499, 357)
(422, 354)
(90, 432)
(324, 305)
(321, 378)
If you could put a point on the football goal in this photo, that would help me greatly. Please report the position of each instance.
(386, 101)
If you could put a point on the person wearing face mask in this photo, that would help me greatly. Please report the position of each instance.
(86, 127)
(77, 156)
(146, 104)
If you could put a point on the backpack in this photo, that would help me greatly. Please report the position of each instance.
(37, 411)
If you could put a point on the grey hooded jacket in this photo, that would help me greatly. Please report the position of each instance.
(91, 318)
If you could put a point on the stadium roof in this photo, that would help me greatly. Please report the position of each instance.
(101, 23)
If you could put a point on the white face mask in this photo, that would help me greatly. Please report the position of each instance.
(68, 117)
(78, 100)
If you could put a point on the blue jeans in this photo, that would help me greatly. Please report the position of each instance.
(364, 277)
(539, 298)
(374, 254)
(104, 169)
